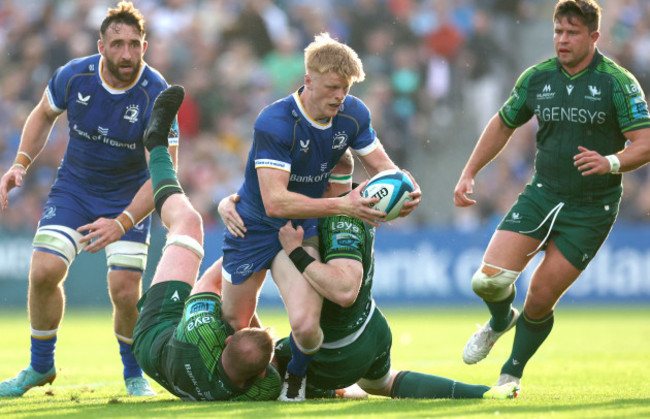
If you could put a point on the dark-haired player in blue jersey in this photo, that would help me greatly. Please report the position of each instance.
(297, 141)
(587, 108)
(102, 196)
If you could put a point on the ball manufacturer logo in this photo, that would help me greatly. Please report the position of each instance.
(380, 193)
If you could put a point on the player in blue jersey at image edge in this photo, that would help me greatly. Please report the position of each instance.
(587, 108)
(102, 195)
(297, 141)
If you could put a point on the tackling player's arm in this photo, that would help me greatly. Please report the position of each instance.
(338, 280)
(281, 203)
(34, 137)
(492, 140)
(377, 161)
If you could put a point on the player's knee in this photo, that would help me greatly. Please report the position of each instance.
(127, 255)
(306, 330)
(46, 276)
(493, 283)
(61, 241)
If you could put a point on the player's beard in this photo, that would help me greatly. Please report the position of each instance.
(114, 69)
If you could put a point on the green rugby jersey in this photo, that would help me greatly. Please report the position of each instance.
(345, 237)
(593, 108)
(193, 368)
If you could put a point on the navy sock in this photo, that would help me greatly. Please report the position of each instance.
(43, 354)
(299, 360)
(131, 367)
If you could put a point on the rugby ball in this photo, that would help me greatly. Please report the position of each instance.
(392, 187)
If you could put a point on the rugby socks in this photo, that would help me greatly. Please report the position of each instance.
(529, 336)
(43, 346)
(300, 358)
(415, 385)
(501, 312)
(131, 367)
(163, 176)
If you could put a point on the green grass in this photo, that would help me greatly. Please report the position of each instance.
(595, 364)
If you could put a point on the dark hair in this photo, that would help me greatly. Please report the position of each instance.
(587, 11)
(124, 13)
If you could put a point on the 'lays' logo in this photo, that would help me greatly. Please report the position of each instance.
(82, 100)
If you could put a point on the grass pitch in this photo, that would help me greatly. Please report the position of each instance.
(595, 364)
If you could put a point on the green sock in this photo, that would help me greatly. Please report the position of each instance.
(501, 312)
(415, 385)
(529, 336)
(163, 176)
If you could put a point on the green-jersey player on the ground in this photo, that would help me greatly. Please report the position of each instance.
(587, 108)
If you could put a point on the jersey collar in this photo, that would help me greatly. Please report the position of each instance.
(114, 90)
(303, 111)
(597, 58)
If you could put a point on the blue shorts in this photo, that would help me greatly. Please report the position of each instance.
(73, 210)
(244, 256)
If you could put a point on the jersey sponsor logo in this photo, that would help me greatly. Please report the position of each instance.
(569, 89)
(272, 163)
(309, 178)
(577, 115)
(198, 307)
(131, 114)
(344, 226)
(340, 141)
(594, 93)
(304, 146)
(82, 100)
(344, 240)
(199, 321)
(547, 93)
(639, 107)
(102, 138)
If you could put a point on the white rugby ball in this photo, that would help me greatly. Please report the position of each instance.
(392, 187)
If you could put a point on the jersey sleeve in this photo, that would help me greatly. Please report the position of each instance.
(342, 237)
(266, 388)
(202, 326)
(272, 145)
(57, 87)
(514, 112)
(630, 103)
(366, 141)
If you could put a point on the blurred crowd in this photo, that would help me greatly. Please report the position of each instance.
(426, 62)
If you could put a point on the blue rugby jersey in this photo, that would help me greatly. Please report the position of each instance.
(105, 156)
(287, 138)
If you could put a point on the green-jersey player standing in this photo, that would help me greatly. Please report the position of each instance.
(587, 108)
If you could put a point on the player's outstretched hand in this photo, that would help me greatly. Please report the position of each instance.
(416, 196)
(290, 237)
(12, 179)
(228, 212)
(464, 188)
(101, 233)
(590, 162)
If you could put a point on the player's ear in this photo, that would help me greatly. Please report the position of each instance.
(145, 44)
(228, 339)
(100, 46)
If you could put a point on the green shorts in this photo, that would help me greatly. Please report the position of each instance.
(367, 357)
(578, 230)
(161, 310)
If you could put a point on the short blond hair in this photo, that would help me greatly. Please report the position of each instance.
(326, 54)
